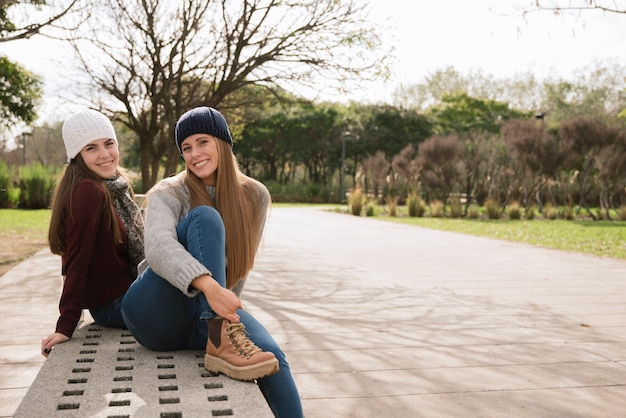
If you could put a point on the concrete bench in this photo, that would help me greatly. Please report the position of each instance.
(104, 372)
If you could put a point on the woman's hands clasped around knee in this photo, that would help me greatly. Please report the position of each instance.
(223, 301)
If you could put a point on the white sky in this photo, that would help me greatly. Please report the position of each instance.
(431, 35)
(491, 35)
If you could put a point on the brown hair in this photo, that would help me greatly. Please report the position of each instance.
(237, 201)
(73, 173)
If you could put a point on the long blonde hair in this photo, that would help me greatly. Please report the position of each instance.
(238, 203)
(72, 174)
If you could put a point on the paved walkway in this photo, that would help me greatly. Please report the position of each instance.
(386, 320)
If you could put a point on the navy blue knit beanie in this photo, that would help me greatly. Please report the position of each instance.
(202, 120)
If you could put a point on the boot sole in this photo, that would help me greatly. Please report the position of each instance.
(245, 373)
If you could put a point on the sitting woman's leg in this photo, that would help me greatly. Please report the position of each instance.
(279, 390)
(110, 315)
(159, 315)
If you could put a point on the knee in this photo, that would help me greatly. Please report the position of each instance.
(206, 213)
(207, 216)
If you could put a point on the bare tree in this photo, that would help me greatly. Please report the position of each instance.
(29, 17)
(405, 170)
(375, 170)
(154, 60)
(440, 161)
(538, 153)
(588, 138)
(560, 6)
(611, 168)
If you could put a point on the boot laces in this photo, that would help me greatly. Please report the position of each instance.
(239, 339)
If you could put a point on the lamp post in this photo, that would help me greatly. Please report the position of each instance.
(342, 189)
(24, 135)
(540, 115)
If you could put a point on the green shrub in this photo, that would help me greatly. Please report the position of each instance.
(492, 208)
(392, 205)
(514, 211)
(622, 213)
(356, 201)
(36, 184)
(550, 212)
(415, 205)
(370, 208)
(568, 212)
(599, 214)
(530, 213)
(9, 195)
(14, 197)
(473, 211)
(436, 209)
(456, 208)
(298, 192)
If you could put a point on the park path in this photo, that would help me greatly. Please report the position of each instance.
(386, 320)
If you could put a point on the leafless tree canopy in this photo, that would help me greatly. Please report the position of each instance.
(152, 60)
(562, 6)
(26, 18)
(441, 164)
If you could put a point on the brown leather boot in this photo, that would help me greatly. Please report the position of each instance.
(230, 351)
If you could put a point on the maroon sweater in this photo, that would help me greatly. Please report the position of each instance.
(96, 268)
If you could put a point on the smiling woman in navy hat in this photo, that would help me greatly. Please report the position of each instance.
(203, 228)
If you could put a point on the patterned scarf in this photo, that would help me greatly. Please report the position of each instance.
(131, 217)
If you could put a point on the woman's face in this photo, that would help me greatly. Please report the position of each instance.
(201, 156)
(102, 157)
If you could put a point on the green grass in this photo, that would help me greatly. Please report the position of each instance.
(22, 234)
(601, 238)
(33, 223)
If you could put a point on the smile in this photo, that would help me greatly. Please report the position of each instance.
(201, 163)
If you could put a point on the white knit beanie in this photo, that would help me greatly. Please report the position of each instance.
(83, 127)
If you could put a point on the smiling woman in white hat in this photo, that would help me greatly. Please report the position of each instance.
(95, 227)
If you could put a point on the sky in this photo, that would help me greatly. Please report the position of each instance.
(429, 35)
(491, 35)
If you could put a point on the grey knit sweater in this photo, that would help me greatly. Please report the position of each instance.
(168, 204)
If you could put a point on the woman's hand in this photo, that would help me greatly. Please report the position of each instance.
(223, 302)
(52, 340)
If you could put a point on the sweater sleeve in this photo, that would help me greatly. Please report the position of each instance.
(165, 255)
(81, 226)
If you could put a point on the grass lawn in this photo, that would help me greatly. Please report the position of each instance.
(601, 238)
(22, 234)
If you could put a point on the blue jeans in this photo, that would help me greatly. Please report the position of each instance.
(162, 318)
(110, 315)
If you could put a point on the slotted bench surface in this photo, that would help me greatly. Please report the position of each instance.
(104, 372)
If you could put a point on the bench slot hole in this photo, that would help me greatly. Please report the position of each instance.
(222, 413)
(73, 392)
(64, 406)
(165, 366)
(125, 402)
(121, 390)
(165, 401)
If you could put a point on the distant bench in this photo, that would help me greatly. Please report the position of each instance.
(104, 373)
